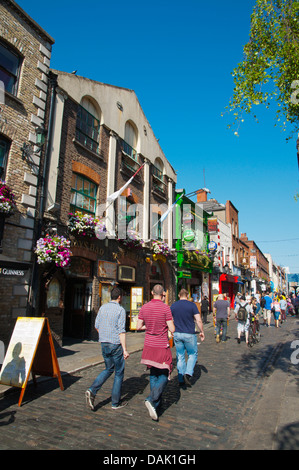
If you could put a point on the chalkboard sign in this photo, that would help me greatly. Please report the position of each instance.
(31, 349)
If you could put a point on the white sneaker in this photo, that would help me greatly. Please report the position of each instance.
(89, 399)
(151, 410)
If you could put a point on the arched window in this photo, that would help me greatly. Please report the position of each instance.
(130, 140)
(158, 168)
(88, 124)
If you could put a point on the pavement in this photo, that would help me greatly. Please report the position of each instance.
(270, 416)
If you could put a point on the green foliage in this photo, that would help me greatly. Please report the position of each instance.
(271, 63)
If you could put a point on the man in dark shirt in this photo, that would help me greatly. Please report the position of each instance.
(184, 314)
(222, 311)
(204, 309)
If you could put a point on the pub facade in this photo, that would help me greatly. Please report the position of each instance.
(101, 144)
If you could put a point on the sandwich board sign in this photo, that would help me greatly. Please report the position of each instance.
(31, 350)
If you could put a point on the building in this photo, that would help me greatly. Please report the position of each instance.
(25, 53)
(259, 266)
(224, 225)
(194, 262)
(100, 139)
(277, 276)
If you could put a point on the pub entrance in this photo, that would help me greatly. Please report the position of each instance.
(78, 300)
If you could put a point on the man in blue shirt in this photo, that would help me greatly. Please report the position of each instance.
(111, 326)
(267, 309)
(184, 313)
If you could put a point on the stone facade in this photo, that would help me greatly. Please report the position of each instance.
(21, 113)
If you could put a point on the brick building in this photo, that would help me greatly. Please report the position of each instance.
(25, 52)
(100, 137)
(258, 264)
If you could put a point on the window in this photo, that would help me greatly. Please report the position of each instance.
(10, 63)
(88, 125)
(130, 141)
(84, 193)
(129, 214)
(4, 149)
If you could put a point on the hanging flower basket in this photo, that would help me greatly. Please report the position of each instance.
(7, 199)
(161, 248)
(132, 242)
(84, 225)
(53, 250)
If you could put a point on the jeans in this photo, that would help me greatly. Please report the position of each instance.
(114, 362)
(158, 382)
(185, 342)
(223, 322)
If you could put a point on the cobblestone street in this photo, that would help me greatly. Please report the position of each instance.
(218, 412)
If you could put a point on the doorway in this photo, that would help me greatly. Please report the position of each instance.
(77, 314)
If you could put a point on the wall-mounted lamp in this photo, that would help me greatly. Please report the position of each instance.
(40, 136)
(27, 150)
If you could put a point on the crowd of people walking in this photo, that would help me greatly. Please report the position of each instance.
(182, 321)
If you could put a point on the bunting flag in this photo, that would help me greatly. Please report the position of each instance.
(166, 214)
(114, 196)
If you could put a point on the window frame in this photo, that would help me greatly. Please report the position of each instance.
(7, 144)
(82, 128)
(16, 77)
(85, 196)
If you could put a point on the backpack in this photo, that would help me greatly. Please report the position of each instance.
(263, 302)
(242, 313)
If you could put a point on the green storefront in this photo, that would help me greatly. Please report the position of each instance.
(193, 261)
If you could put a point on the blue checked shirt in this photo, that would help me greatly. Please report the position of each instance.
(111, 321)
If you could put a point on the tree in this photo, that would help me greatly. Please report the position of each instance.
(270, 67)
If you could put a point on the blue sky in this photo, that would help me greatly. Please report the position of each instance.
(178, 58)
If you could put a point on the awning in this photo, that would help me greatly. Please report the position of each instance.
(228, 278)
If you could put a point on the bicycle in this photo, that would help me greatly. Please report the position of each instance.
(254, 334)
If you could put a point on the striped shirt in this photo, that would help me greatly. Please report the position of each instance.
(155, 314)
(111, 321)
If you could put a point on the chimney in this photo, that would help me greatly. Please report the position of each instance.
(244, 237)
(202, 195)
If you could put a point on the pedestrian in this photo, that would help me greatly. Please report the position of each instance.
(267, 309)
(184, 314)
(205, 306)
(242, 314)
(276, 311)
(237, 299)
(221, 312)
(110, 324)
(156, 319)
(296, 304)
(262, 304)
(283, 308)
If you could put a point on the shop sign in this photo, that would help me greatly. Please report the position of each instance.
(253, 262)
(107, 269)
(212, 246)
(184, 274)
(79, 267)
(213, 225)
(136, 304)
(12, 272)
(188, 235)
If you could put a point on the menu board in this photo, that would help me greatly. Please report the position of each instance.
(21, 350)
(30, 349)
(136, 304)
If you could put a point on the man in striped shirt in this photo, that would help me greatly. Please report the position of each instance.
(155, 317)
(111, 326)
